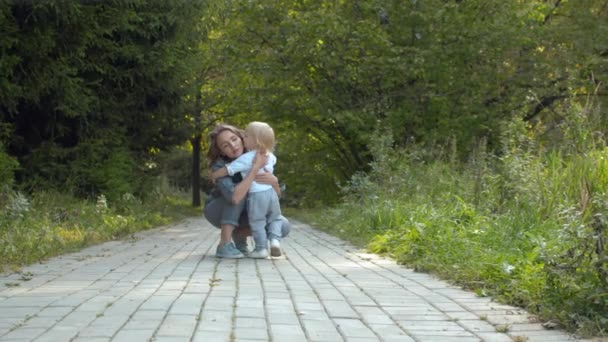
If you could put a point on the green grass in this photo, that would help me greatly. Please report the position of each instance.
(50, 223)
(529, 227)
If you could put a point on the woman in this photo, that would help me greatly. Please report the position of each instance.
(224, 207)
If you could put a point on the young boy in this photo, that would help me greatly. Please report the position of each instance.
(263, 207)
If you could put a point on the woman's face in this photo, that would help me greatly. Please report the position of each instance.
(229, 144)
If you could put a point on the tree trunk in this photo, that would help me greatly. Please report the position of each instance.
(196, 152)
(196, 170)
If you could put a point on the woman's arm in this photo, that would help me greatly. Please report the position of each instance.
(219, 173)
(241, 189)
(223, 186)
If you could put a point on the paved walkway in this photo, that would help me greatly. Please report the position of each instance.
(166, 285)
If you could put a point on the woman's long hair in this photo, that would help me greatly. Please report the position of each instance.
(214, 153)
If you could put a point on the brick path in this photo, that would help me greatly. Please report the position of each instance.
(166, 285)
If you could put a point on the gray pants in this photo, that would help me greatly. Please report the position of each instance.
(218, 211)
(264, 213)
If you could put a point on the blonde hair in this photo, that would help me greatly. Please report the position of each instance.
(262, 134)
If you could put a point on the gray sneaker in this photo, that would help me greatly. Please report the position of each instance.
(228, 251)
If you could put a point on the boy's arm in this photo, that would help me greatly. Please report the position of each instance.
(241, 189)
(242, 163)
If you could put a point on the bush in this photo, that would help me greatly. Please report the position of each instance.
(114, 175)
(8, 166)
(528, 226)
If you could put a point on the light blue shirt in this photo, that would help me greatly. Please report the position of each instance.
(243, 165)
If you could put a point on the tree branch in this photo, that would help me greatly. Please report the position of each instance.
(542, 104)
(550, 14)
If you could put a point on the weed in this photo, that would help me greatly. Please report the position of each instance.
(27, 276)
(214, 281)
(502, 328)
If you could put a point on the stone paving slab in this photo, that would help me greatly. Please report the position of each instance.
(166, 285)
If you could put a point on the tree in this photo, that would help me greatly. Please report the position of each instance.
(88, 80)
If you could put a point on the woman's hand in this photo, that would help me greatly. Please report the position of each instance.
(266, 178)
(270, 179)
(223, 172)
(210, 176)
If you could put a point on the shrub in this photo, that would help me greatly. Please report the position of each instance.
(52, 223)
(528, 226)
(8, 166)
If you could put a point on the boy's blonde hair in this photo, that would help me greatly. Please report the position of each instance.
(262, 134)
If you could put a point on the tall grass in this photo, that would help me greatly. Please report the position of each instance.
(50, 223)
(528, 226)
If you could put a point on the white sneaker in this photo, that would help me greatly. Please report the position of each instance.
(259, 254)
(275, 248)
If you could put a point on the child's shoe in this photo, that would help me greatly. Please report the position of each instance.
(259, 253)
(275, 248)
(228, 251)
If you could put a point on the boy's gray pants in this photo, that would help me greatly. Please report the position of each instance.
(264, 212)
(216, 209)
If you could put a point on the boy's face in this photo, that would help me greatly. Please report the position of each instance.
(249, 143)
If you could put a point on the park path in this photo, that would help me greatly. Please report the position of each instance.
(166, 285)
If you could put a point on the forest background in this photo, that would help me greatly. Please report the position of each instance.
(462, 137)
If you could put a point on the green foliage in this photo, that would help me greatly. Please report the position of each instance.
(111, 72)
(115, 176)
(93, 167)
(528, 227)
(435, 72)
(152, 74)
(52, 223)
(176, 166)
(8, 166)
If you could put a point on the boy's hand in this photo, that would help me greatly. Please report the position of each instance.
(259, 161)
